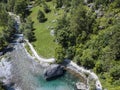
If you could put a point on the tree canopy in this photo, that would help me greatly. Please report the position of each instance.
(90, 37)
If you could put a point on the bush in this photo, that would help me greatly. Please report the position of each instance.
(48, 0)
(46, 8)
(59, 3)
(115, 72)
(41, 16)
(59, 55)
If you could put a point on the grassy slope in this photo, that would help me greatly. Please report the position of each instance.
(45, 44)
(1, 28)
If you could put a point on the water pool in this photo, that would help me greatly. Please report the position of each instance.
(66, 82)
(28, 74)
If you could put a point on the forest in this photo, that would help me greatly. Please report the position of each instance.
(87, 33)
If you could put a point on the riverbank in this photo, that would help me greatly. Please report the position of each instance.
(51, 60)
(5, 64)
(20, 71)
(85, 74)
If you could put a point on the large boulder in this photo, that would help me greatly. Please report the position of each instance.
(53, 71)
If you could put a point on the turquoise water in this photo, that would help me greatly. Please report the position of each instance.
(37, 82)
(66, 82)
(28, 74)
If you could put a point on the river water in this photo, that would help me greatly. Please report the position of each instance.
(27, 74)
(66, 82)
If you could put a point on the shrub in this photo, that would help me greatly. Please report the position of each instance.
(48, 0)
(41, 16)
(46, 8)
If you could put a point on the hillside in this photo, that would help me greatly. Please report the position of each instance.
(90, 35)
(85, 32)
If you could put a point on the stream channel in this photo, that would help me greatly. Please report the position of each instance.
(27, 74)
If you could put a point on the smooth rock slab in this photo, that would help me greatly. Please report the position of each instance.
(53, 71)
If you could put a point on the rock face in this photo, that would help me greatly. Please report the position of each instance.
(53, 71)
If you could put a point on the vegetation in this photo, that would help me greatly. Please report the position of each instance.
(86, 31)
(28, 49)
(90, 38)
(7, 23)
(20, 7)
(7, 27)
(46, 8)
(27, 29)
(1, 86)
(44, 44)
(41, 16)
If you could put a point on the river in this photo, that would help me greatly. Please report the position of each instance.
(27, 74)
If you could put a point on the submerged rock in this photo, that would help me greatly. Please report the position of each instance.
(53, 71)
(81, 86)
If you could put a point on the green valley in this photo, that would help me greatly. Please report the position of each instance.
(84, 31)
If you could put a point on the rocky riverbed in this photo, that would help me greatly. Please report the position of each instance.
(19, 71)
(79, 71)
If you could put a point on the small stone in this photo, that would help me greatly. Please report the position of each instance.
(81, 86)
(52, 32)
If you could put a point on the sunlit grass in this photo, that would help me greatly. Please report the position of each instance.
(45, 45)
(1, 28)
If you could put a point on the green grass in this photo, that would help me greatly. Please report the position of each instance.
(28, 49)
(45, 45)
(106, 83)
(108, 86)
(1, 28)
